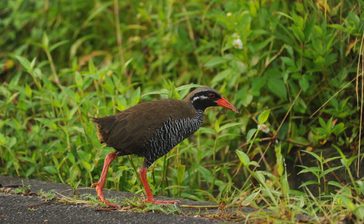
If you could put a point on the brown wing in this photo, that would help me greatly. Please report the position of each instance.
(135, 125)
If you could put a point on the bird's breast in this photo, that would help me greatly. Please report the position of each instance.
(172, 132)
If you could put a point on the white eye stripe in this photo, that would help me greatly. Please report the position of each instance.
(202, 97)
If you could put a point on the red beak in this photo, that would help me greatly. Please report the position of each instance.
(224, 103)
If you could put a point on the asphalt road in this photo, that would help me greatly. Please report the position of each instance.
(31, 208)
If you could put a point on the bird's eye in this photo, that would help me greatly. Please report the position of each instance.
(211, 95)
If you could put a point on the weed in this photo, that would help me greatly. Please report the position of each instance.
(295, 69)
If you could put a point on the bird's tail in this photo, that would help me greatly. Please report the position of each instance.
(104, 126)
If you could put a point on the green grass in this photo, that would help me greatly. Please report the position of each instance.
(293, 69)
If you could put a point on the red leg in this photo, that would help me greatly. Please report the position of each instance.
(150, 198)
(101, 183)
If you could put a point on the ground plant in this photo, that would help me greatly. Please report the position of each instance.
(293, 68)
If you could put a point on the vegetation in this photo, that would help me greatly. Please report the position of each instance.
(295, 69)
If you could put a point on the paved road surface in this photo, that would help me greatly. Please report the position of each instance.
(16, 208)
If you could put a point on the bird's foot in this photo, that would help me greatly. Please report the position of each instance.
(101, 197)
(162, 202)
(109, 204)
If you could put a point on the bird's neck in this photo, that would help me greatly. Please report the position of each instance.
(195, 103)
(199, 112)
(199, 116)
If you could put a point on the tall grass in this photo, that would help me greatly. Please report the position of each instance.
(293, 68)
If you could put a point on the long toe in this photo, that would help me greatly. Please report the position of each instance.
(163, 202)
(101, 197)
(111, 205)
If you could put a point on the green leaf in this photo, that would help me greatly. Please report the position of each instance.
(263, 117)
(224, 75)
(300, 140)
(257, 84)
(181, 171)
(275, 83)
(335, 183)
(250, 198)
(24, 62)
(254, 163)
(205, 173)
(307, 183)
(245, 96)
(361, 186)
(284, 184)
(260, 177)
(319, 158)
(162, 92)
(78, 80)
(213, 62)
(86, 165)
(280, 161)
(359, 212)
(28, 91)
(135, 98)
(322, 122)
(60, 43)
(339, 128)
(313, 170)
(330, 170)
(250, 134)
(243, 157)
(187, 87)
(304, 84)
(277, 87)
(229, 125)
(2, 139)
(247, 99)
(30, 171)
(45, 41)
(50, 169)
(347, 202)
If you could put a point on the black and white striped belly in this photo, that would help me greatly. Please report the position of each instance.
(169, 135)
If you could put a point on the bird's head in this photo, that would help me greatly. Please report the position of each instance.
(204, 97)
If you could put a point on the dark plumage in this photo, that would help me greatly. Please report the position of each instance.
(134, 130)
(152, 129)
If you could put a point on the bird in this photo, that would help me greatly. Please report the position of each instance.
(151, 129)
